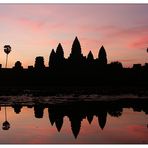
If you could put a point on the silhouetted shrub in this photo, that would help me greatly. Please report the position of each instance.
(18, 65)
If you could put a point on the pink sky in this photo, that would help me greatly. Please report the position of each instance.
(34, 30)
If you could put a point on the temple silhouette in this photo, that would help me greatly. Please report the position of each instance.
(76, 70)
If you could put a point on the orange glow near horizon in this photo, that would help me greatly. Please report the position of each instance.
(35, 29)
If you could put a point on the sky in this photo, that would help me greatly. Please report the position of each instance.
(35, 29)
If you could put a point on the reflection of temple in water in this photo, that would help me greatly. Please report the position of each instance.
(78, 111)
(56, 117)
(17, 107)
(90, 118)
(75, 119)
(39, 110)
(102, 117)
(59, 123)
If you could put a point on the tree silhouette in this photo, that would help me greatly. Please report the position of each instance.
(7, 50)
(6, 124)
(18, 65)
(102, 56)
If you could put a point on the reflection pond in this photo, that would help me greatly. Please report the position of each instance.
(81, 121)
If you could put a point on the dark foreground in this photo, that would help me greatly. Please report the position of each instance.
(73, 90)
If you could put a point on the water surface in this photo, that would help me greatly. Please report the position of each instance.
(92, 122)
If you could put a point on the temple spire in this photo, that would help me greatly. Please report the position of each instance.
(90, 56)
(76, 52)
(102, 56)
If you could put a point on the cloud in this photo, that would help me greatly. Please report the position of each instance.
(140, 43)
(129, 38)
(31, 24)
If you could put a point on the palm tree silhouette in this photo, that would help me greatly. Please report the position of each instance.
(7, 50)
(6, 124)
